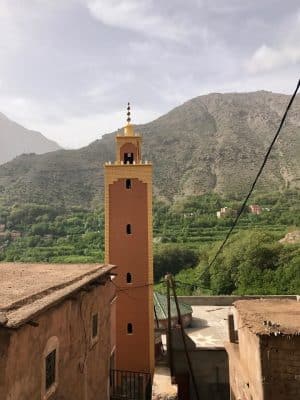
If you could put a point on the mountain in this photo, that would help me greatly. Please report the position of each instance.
(212, 143)
(16, 140)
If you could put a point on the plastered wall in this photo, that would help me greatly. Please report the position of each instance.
(83, 363)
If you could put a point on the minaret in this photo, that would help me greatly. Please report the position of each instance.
(128, 244)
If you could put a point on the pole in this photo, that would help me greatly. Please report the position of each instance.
(169, 335)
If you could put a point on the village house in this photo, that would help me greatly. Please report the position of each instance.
(57, 331)
(226, 212)
(255, 209)
(264, 350)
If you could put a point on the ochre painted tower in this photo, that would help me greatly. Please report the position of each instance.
(128, 244)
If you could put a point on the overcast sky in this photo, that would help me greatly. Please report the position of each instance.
(68, 67)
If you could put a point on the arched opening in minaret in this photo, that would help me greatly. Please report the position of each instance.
(128, 277)
(128, 229)
(128, 158)
(128, 184)
(129, 328)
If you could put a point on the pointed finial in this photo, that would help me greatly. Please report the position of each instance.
(128, 129)
(128, 113)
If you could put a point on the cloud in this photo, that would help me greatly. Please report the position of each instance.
(67, 66)
(70, 131)
(283, 50)
(139, 16)
(267, 58)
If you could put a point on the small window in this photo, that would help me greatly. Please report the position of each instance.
(128, 229)
(128, 277)
(95, 326)
(128, 183)
(128, 158)
(129, 328)
(50, 369)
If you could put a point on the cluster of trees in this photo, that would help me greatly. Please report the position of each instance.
(173, 258)
(187, 235)
(253, 262)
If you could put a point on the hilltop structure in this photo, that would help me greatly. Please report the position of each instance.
(128, 244)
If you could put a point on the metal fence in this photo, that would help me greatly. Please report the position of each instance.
(128, 385)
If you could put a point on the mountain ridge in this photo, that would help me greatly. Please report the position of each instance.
(212, 143)
(16, 140)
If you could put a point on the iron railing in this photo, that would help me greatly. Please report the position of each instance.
(128, 385)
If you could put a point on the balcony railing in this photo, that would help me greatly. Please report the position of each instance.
(128, 385)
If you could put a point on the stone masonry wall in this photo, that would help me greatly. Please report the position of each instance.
(281, 367)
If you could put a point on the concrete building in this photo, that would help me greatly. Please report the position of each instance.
(128, 244)
(205, 338)
(264, 352)
(56, 331)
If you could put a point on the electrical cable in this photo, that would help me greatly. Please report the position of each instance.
(183, 334)
(257, 176)
(120, 289)
(251, 189)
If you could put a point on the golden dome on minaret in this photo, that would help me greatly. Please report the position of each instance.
(128, 129)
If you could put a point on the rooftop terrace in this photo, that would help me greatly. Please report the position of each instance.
(270, 316)
(209, 326)
(26, 289)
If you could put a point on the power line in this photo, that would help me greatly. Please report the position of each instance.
(256, 178)
(124, 289)
(170, 282)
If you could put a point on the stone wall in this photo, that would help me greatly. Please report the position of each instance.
(211, 372)
(210, 366)
(245, 366)
(281, 367)
(264, 367)
(83, 361)
(226, 300)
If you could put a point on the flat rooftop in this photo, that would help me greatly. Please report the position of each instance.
(26, 289)
(270, 317)
(209, 327)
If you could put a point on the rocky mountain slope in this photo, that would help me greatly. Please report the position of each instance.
(16, 140)
(214, 143)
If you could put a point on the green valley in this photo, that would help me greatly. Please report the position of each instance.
(187, 234)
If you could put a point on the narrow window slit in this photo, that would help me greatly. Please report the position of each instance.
(95, 326)
(129, 328)
(128, 277)
(128, 183)
(50, 369)
(128, 229)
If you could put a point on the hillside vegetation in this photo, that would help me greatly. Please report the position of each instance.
(213, 143)
(186, 237)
